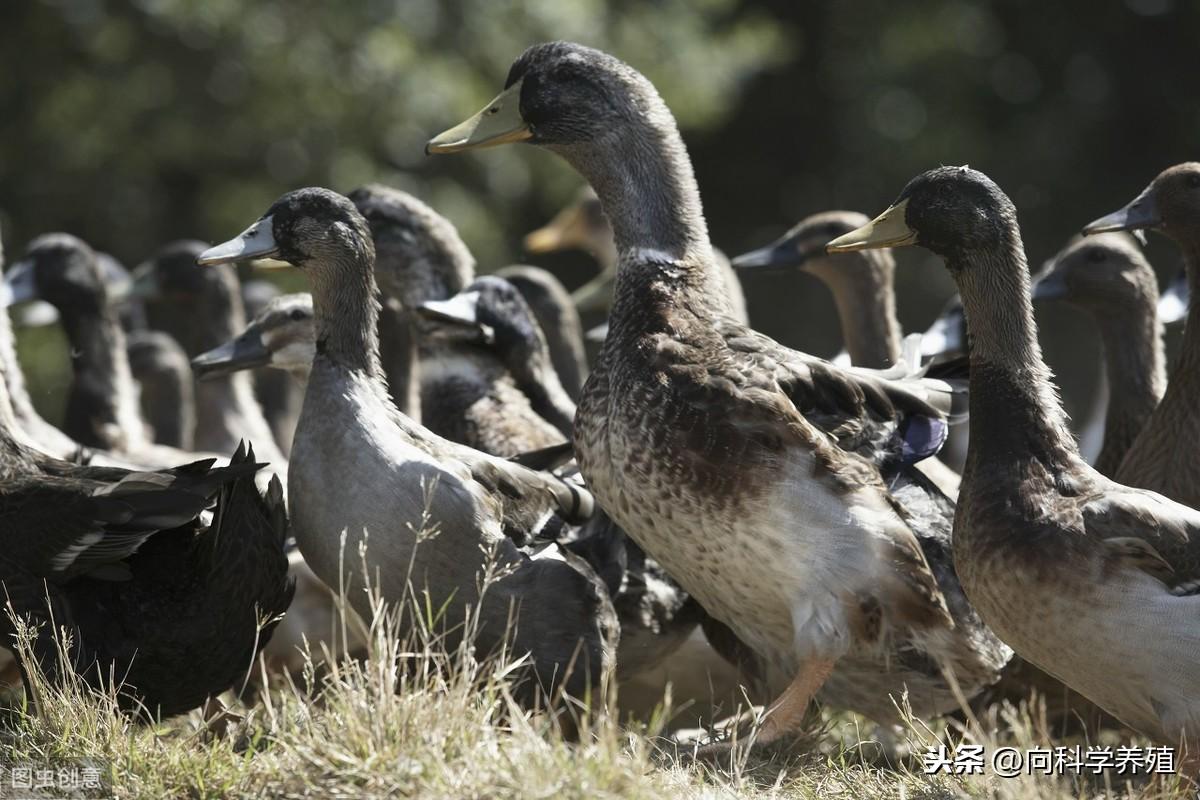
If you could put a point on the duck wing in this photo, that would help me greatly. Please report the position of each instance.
(891, 417)
(64, 520)
(1169, 532)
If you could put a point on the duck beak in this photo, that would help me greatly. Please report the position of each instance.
(18, 283)
(780, 254)
(498, 123)
(889, 229)
(1051, 285)
(1173, 305)
(460, 311)
(1141, 213)
(257, 241)
(561, 233)
(597, 334)
(245, 352)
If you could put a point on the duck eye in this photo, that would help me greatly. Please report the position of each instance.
(297, 314)
(1193, 180)
(494, 109)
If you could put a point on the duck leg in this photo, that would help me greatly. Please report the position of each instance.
(787, 712)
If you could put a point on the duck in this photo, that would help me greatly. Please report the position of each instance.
(1109, 278)
(863, 290)
(201, 310)
(102, 409)
(773, 485)
(1082, 576)
(583, 225)
(557, 317)
(369, 482)
(171, 580)
(164, 378)
(1161, 458)
(277, 394)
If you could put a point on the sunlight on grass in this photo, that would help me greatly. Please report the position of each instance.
(418, 717)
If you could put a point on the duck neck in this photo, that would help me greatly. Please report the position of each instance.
(14, 378)
(1188, 365)
(102, 391)
(1135, 364)
(865, 297)
(1016, 415)
(644, 179)
(346, 311)
(539, 381)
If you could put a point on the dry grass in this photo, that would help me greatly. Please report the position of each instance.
(410, 720)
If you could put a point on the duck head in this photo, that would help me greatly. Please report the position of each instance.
(1106, 274)
(419, 255)
(803, 247)
(557, 93)
(283, 336)
(580, 226)
(492, 312)
(302, 228)
(1170, 204)
(62, 270)
(951, 211)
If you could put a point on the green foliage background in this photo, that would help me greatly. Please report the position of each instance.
(133, 123)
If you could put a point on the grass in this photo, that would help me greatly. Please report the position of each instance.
(411, 720)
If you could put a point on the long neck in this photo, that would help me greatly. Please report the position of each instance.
(400, 357)
(102, 389)
(1135, 363)
(866, 302)
(644, 179)
(539, 381)
(18, 394)
(1188, 365)
(346, 312)
(1015, 411)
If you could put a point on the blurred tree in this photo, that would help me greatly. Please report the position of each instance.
(134, 122)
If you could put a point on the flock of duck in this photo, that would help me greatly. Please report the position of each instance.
(705, 506)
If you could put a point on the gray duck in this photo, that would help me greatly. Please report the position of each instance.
(364, 474)
(1162, 458)
(1083, 577)
(774, 486)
